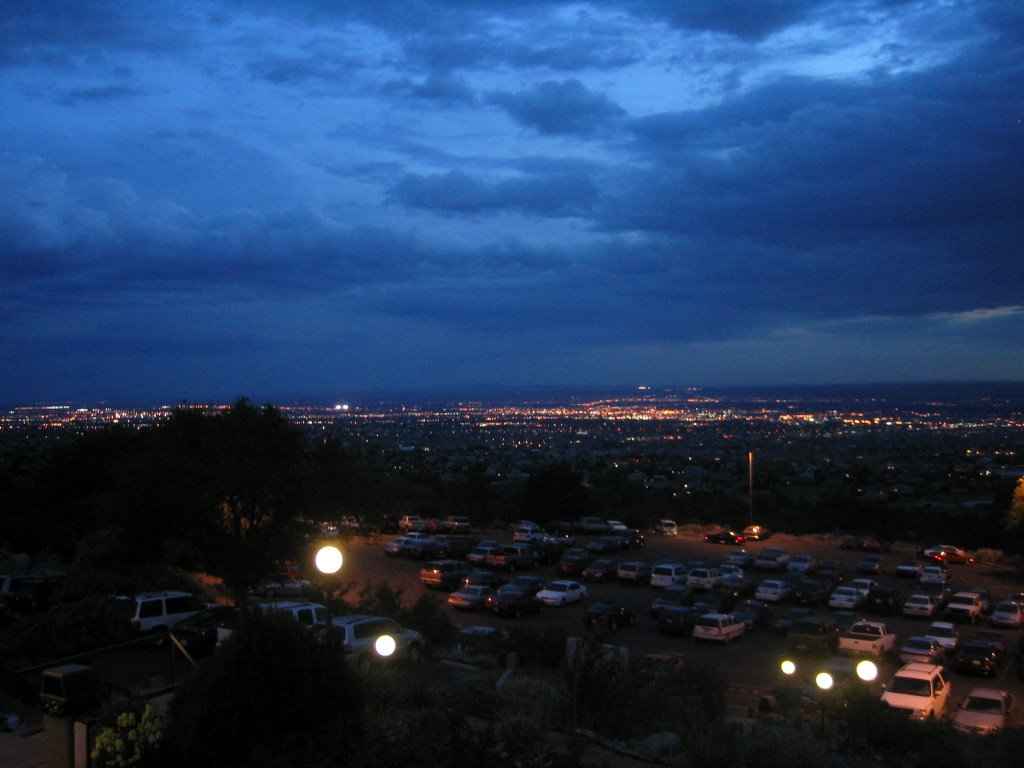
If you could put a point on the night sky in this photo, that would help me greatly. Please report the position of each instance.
(200, 200)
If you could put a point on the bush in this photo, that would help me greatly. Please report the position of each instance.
(273, 695)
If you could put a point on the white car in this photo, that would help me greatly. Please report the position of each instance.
(921, 606)
(616, 525)
(863, 585)
(919, 689)
(559, 593)
(773, 591)
(360, 635)
(731, 574)
(934, 574)
(719, 627)
(845, 598)
(1008, 614)
(947, 635)
(984, 711)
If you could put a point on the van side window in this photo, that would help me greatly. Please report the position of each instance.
(150, 609)
(937, 683)
(182, 605)
(305, 616)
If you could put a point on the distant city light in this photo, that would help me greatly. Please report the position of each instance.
(341, 407)
(329, 559)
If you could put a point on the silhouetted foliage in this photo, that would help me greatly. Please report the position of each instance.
(275, 694)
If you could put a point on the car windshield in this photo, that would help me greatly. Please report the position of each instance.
(1007, 608)
(941, 632)
(917, 645)
(980, 704)
(918, 599)
(845, 592)
(557, 587)
(910, 685)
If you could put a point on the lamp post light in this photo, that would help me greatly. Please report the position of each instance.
(867, 670)
(329, 559)
(384, 646)
(824, 682)
(788, 669)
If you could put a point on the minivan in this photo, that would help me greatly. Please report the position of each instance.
(668, 575)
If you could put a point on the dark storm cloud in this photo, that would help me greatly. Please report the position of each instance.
(99, 93)
(437, 88)
(321, 66)
(567, 194)
(560, 107)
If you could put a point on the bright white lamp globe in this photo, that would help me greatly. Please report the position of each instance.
(385, 645)
(328, 560)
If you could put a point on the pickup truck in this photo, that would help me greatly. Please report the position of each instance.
(965, 606)
(512, 557)
(870, 638)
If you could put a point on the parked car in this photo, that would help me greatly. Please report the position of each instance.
(920, 606)
(1008, 614)
(199, 633)
(704, 577)
(157, 612)
(483, 578)
(601, 570)
(921, 690)
(924, 649)
(671, 596)
(934, 573)
(773, 591)
(755, 614)
(976, 657)
(310, 615)
(772, 559)
(742, 557)
(591, 525)
(444, 574)
(813, 633)
(725, 536)
(756, 532)
(875, 544)
(940, 592)
(984, 711)
(470, 597)
(909, 570)
(964, 606)
(849, 598)
(668, 575)
(360, 634)
(574, 561)
(666, 527)
(634, 572)
(946, 634)
(718, 627)
(947, 553)
(513, 600)
(604, 545)
(810, 592)
(608, 615)
(785, 619)
(882, 600)
(802, 564)
(560, 593)
(479, 554)
(870, 564)
(677, 620)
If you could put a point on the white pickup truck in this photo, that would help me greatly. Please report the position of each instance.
(870, 638)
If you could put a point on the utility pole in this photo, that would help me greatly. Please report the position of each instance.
(750, 484)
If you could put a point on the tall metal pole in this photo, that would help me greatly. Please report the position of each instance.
(750, 486)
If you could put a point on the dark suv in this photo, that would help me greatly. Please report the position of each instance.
(444, 574)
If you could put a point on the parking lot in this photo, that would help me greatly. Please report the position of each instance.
(750, 665)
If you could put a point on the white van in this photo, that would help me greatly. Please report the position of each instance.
(312, 615)
(668, 575)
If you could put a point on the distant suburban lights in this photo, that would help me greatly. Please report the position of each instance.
(385, 645)
(328, 560)
(341, 407)
(867, 670)
(823, 680)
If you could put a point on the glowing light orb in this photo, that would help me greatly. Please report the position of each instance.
(823, 680)
(385, 645)
(328, 560)
(867, 670)
(788, 667)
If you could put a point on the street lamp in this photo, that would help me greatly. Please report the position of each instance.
(788, 669)
(384, 645)
(824, 682)
(867, 670)
(329, 560)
